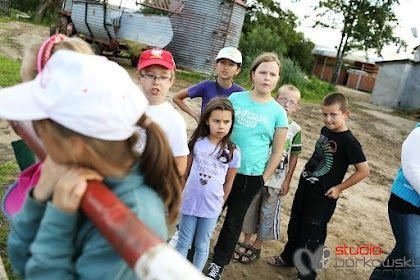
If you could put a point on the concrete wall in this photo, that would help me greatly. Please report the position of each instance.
(390, 84)
(410, 98)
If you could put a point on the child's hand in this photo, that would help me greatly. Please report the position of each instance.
(71, 187)
(50, 173)
(333, 192)
(284, 189)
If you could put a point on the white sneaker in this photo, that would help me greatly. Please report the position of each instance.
(174, 239)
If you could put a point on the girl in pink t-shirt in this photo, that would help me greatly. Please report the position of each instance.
(211, 169)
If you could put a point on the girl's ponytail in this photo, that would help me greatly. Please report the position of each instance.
(159, 168)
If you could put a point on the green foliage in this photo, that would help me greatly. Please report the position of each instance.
(191, 77)
(9, 71)
(8, 173)
(27, 6)
(259, 39)
(292, 74)
(268, 28)
(30, 7)
(314, 89)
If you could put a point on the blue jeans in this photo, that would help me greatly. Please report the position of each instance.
(406, 229)
(202, 229)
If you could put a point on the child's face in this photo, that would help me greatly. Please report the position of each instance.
(156, 82)
(289, 100)
(56, 146)
(226, 69)
(334, 118)
(265, 77)
(220, 122)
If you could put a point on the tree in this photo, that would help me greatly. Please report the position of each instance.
(267, 27)
(366, 24)
(43, 7)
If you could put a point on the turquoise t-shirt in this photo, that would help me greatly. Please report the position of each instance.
(253, 130)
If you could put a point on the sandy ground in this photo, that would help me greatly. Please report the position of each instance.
(361, 214)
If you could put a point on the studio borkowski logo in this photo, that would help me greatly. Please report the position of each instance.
(347, 257)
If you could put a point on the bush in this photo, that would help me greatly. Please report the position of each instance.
(292, 74)
(315, 89)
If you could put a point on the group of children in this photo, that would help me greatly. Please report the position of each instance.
(241, 156)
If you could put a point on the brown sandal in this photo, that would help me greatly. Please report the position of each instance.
(278, 262)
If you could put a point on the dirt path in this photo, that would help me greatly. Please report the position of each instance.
(361, 214)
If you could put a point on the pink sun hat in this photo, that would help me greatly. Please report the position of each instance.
(16, 194)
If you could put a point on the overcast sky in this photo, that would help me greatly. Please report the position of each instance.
(407, 13)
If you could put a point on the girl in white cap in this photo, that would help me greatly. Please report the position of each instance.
(86, 110)
(34, 59)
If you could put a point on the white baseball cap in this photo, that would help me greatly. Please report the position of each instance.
(230, 53)
(85, 93)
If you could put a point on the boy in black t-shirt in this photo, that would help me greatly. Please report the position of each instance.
(320, 185)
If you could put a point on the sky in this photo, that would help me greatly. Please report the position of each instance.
(407, 13)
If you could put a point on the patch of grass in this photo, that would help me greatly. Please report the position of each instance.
(4, 19)
(9, 71)
(314, 90)
(191, 77)
(8, 173)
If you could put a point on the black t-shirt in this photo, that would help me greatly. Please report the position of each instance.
(334, 152)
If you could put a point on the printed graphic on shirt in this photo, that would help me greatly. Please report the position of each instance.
(321, 161)
(204, 178)
(207, 165)
(285, 157)
(248, 118)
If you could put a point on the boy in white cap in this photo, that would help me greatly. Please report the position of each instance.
(228, 65)
(156, 73)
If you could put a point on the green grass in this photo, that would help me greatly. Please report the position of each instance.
(314, 90)
(191, 77)
(9, 71)
(8, 174)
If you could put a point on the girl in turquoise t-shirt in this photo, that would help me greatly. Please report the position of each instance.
(260, 123)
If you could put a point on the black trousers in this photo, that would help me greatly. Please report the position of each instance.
(243, 191)
(311, 212)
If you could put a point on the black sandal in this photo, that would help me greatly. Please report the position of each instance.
(237, 254)
(251, 255)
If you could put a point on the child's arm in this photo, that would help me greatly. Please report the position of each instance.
(276, 152)
(292, 165)
(188, 169)
(362, 171)
(227, 186)
(178, 99)
(181, 163)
